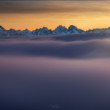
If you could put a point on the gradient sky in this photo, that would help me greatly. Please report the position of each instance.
(35, 14)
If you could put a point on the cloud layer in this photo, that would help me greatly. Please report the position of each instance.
(47, 75)
(46, 83)
(51, 7)
(83, 49)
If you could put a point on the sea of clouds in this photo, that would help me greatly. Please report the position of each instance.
(54, 75)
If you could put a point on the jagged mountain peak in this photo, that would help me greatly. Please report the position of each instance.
(45, 31)
(60, 30)
(72, 27)
(2, 28)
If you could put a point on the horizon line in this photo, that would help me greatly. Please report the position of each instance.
(54, 28)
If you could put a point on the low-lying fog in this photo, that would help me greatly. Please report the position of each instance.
(55, 75)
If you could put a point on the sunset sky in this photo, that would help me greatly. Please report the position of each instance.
(35, 14)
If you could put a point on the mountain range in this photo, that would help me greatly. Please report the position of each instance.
(60, 30)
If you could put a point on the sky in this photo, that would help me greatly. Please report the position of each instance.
(19, 14)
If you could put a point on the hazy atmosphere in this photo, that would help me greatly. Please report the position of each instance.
(54, 55)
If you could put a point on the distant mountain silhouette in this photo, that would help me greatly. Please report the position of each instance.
(1, 28)
(60, 30)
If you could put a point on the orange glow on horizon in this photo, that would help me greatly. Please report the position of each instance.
(88, 15)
